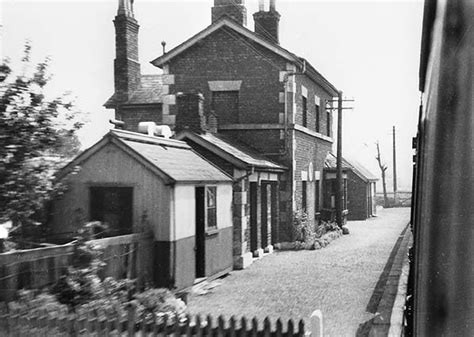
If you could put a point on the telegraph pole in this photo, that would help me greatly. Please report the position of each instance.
(339, 184)
(395, 196)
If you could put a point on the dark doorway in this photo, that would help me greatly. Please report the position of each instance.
(275, 217)
(200, 232)
(113, 206)
(266, 213)
(253, 217)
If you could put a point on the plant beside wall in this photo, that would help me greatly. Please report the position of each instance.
(80, 292)
(307, 235)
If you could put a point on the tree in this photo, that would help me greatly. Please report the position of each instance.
(383, 168)
(33, 132)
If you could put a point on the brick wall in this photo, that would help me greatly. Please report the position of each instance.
(308, 150)
(126, 65)
(356, 197)
(227, 56)
(313, 89)
(134, 115)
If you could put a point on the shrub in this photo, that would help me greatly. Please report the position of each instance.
(303, 229)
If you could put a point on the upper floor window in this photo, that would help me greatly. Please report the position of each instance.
(317, 117)
(305, 111)
(328, 124)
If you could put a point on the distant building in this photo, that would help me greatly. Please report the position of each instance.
(359, 188)
(137, 183)
(254, 93)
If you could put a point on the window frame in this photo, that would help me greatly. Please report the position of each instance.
(304, 107)
(317, 118)
(207, 191)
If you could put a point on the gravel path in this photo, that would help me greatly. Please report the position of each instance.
(339, 279)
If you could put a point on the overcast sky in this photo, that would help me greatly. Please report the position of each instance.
(367, 49)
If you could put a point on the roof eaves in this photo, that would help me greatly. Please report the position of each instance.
(237, 162)
(224, 21)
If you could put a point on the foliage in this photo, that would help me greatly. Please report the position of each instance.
(303, 229)
(33, 133)
(325, 227)
(159, 302)
(81, 291)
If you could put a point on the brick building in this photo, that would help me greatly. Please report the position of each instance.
(359, 188)
(255, 93)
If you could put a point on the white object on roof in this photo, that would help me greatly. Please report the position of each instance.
(151, 129)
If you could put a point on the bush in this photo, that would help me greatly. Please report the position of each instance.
(303, 229)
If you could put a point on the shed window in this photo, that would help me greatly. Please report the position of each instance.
(211, 214)
(112, 206)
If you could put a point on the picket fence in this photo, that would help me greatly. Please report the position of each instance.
(108, 324)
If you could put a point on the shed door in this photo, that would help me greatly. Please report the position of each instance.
(113, 206)
(200, 233)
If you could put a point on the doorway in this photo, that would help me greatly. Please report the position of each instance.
(200, 232)
(114, 207)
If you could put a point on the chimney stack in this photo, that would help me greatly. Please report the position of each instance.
(234, 9)
(267, 23)
(190, 114)
(126, 65)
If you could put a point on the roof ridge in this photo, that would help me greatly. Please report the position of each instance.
(144, 138)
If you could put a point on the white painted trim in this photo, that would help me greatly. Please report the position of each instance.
(224, 85)
(310, 171)
(281, 97)
(169, 99)
(304, 175)
(304, 91)
(317, 175)
(167, 79)
(317, 100)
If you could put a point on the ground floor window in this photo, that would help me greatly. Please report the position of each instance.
(114, 207)
(304, 196)
(211, 201)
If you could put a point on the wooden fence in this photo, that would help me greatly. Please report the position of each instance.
(127, 256)
(111, 324)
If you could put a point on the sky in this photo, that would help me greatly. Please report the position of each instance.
(367, 49)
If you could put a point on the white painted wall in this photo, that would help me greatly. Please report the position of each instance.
(183, 218)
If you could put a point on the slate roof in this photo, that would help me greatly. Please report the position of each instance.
(148, 92)
(237, 153)
(172, 160)
(357, 168)
(173, 157)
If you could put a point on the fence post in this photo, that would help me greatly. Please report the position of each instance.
(131, 319)
(316, 324)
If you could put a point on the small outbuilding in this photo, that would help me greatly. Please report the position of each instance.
(359, 187)
(138, 183)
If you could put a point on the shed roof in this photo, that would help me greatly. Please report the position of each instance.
(233, 151)
(149, 91)
(173, 160)
(354, 166)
